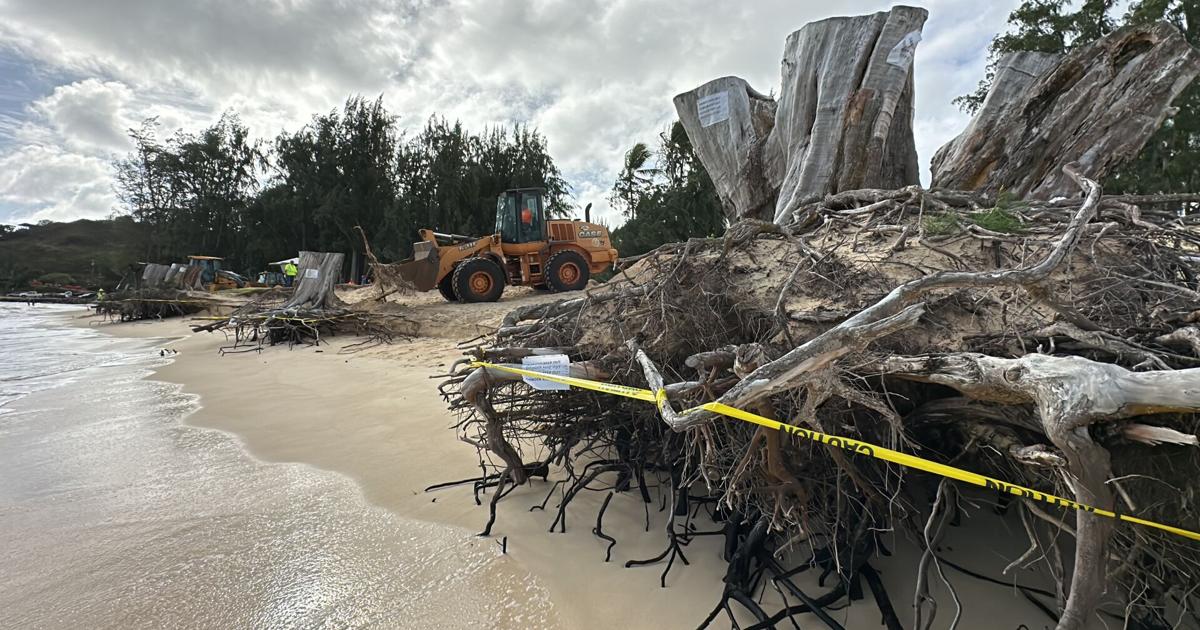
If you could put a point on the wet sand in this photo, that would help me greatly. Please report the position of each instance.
(116, 514)
(376, 417)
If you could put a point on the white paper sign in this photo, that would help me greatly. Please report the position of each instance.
(556, 364)
(902, 53)
(713, 108)
(312, 273)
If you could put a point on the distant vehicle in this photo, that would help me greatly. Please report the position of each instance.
(29, 294)
(212, 276)
(270, 278)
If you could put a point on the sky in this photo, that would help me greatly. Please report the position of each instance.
(594, 76)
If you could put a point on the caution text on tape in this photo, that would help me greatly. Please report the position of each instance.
(857, 447)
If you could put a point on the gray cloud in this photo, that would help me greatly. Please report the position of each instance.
(595, 76)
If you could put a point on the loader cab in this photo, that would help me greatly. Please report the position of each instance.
(209, 266)
(521, 215)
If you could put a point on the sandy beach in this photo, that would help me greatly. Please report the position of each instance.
(375, 417)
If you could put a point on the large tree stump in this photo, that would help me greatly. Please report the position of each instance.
(1096, 107)
(731, 149)
(318, 272)
(153, 275)
(843, 120)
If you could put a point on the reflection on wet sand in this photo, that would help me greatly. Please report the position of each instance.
(114, 514)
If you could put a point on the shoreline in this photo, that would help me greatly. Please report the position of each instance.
(359, 415)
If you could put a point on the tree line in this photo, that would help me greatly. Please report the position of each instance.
(665, 195)
(220, 192)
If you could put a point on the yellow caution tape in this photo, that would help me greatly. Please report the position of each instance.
(582, 383)
(857, 447)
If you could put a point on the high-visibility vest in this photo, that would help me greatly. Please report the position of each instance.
(289, 269)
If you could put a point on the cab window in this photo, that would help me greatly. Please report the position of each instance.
(530, 219)
(506, 218)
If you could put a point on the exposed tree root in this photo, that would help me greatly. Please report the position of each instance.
(1058, 355)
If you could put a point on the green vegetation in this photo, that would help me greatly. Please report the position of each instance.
(1170, 161)
(941, 224)
(86, 252)
(220, 193)
(997, 220)
(1003, 217)
(57, 278)
(668, 202)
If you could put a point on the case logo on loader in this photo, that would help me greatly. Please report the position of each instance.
(588, 233)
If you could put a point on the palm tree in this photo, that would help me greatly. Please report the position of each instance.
(635, 177)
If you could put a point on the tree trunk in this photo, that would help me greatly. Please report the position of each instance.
(316, 277)
(843, 120)
(1096, 107)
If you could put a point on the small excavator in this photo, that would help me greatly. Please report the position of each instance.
(527, 249)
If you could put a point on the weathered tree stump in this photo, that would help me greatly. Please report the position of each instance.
(1095, 107)
(317, 274)
(843, 120)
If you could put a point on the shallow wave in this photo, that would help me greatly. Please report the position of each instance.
(128, 517)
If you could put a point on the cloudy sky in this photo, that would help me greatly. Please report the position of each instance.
(594, 76)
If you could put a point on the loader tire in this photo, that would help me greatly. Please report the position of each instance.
(446, 286)
(478, 280)
(567, 271)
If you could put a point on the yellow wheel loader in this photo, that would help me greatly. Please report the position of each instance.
(212, 277)
(526, 250)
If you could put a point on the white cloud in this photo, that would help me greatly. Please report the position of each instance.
(594, 75)
(90, 114)
(49, 183)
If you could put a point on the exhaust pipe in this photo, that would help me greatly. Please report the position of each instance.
(587, 213)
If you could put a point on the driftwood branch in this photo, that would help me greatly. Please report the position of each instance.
(867, 324)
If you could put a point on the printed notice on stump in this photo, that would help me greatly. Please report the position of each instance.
(312, 272)
(713, 108)
(556, 364)
(902, 53)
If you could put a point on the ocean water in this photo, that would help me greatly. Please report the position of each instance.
(114, 513)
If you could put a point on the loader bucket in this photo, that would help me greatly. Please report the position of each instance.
(422, 269)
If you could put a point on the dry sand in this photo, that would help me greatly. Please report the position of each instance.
(376, 417)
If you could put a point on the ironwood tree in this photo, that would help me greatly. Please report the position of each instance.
(220, 192)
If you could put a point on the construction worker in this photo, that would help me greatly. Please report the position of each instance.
(99, 295)
(289, 273)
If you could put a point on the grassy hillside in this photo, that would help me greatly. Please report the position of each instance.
(92, 253)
